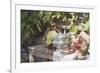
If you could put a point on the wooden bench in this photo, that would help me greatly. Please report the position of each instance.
(39, 51)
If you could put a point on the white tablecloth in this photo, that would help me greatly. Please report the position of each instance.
(58, 56)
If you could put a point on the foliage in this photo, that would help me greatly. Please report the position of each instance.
(35, 23)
